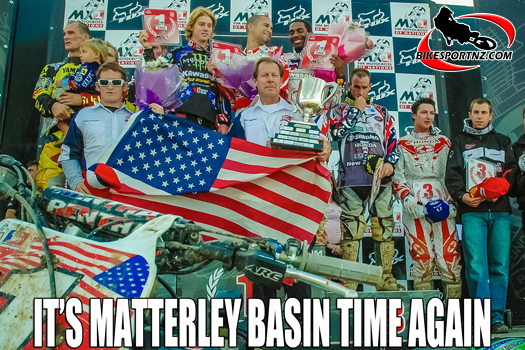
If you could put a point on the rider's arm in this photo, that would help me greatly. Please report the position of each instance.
(71, 155)
(400, 185)
(391, 150)
(44, 90)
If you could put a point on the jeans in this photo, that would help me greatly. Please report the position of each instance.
(486, 246)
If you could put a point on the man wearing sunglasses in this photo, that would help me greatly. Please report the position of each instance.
(94, 129)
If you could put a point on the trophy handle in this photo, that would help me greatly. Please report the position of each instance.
(293, 98)
(334, 87)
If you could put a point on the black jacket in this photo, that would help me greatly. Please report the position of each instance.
(490, 146)
(519, 190)
(202, 97)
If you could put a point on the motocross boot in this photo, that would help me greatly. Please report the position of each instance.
(424, 285)
(452, 290)
(384, 254)
(350, 252)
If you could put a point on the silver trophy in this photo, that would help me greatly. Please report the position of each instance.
(309, 99)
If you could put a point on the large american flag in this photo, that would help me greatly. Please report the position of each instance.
(171, 165)
(84, 270)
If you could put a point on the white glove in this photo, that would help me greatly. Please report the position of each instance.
(410, 206)
(453, 211)
(521, 162)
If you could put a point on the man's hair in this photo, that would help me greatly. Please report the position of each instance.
(523, 113)
(254, 20)
(82, 27)
(164, 47)
(194, 16)
(114, 48)
(98, 46)
(361, 73)
(480, 101)
(267, 60)
(422, 100)
(307, 25)
(31, 163)
(111, 66)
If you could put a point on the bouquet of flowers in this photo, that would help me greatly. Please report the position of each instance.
(158, 82)
(238, 73)
(354, 42)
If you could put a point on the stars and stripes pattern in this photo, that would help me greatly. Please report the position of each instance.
(93, 261)
(89, 265)
(226, 183)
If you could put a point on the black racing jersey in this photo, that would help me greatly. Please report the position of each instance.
(201, 97)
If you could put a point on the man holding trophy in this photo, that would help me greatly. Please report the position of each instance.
(368, 154)
(272, 114)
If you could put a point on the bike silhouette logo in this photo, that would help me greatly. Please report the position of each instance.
(454, 31)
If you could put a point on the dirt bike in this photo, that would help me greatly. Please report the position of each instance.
(70, 245)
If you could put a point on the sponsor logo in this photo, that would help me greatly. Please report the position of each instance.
(470, 146)
(91, 13)
(289, 15)
(265, 273)
(127, 12)
(408, 57)
(181, 7)
(257, 7)
(372, 18)
(196, 60)
(412, 22)
(454, 31)
(422, 88)
(219, 11)
(380, 58)
(332, 15)
(382, 91)
(286, 118)
(130, 50)
(176, 5)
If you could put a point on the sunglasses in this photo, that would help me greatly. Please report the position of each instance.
(114, 82)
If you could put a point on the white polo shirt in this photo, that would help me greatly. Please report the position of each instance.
(262, 122)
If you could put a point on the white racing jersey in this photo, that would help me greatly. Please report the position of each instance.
(422, 166)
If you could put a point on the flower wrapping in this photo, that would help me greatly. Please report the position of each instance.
(238, 73)
(156, 84)
(354, 42)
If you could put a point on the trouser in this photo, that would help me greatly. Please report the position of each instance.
(353, 204)
(486, 247)
(429, 243)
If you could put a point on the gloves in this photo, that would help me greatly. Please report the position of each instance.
(493, 187)
(373, 161)
(453, 211)
(437, 211)
(410, 205)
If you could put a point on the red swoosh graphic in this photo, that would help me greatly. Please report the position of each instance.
(443, 66)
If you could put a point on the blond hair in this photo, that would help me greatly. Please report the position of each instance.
(114, 48)
(194, 15)
(98, 46)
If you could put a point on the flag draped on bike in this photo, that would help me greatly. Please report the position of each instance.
(167, 164)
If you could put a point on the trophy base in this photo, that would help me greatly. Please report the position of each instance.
(300, 136)
(296, 145)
